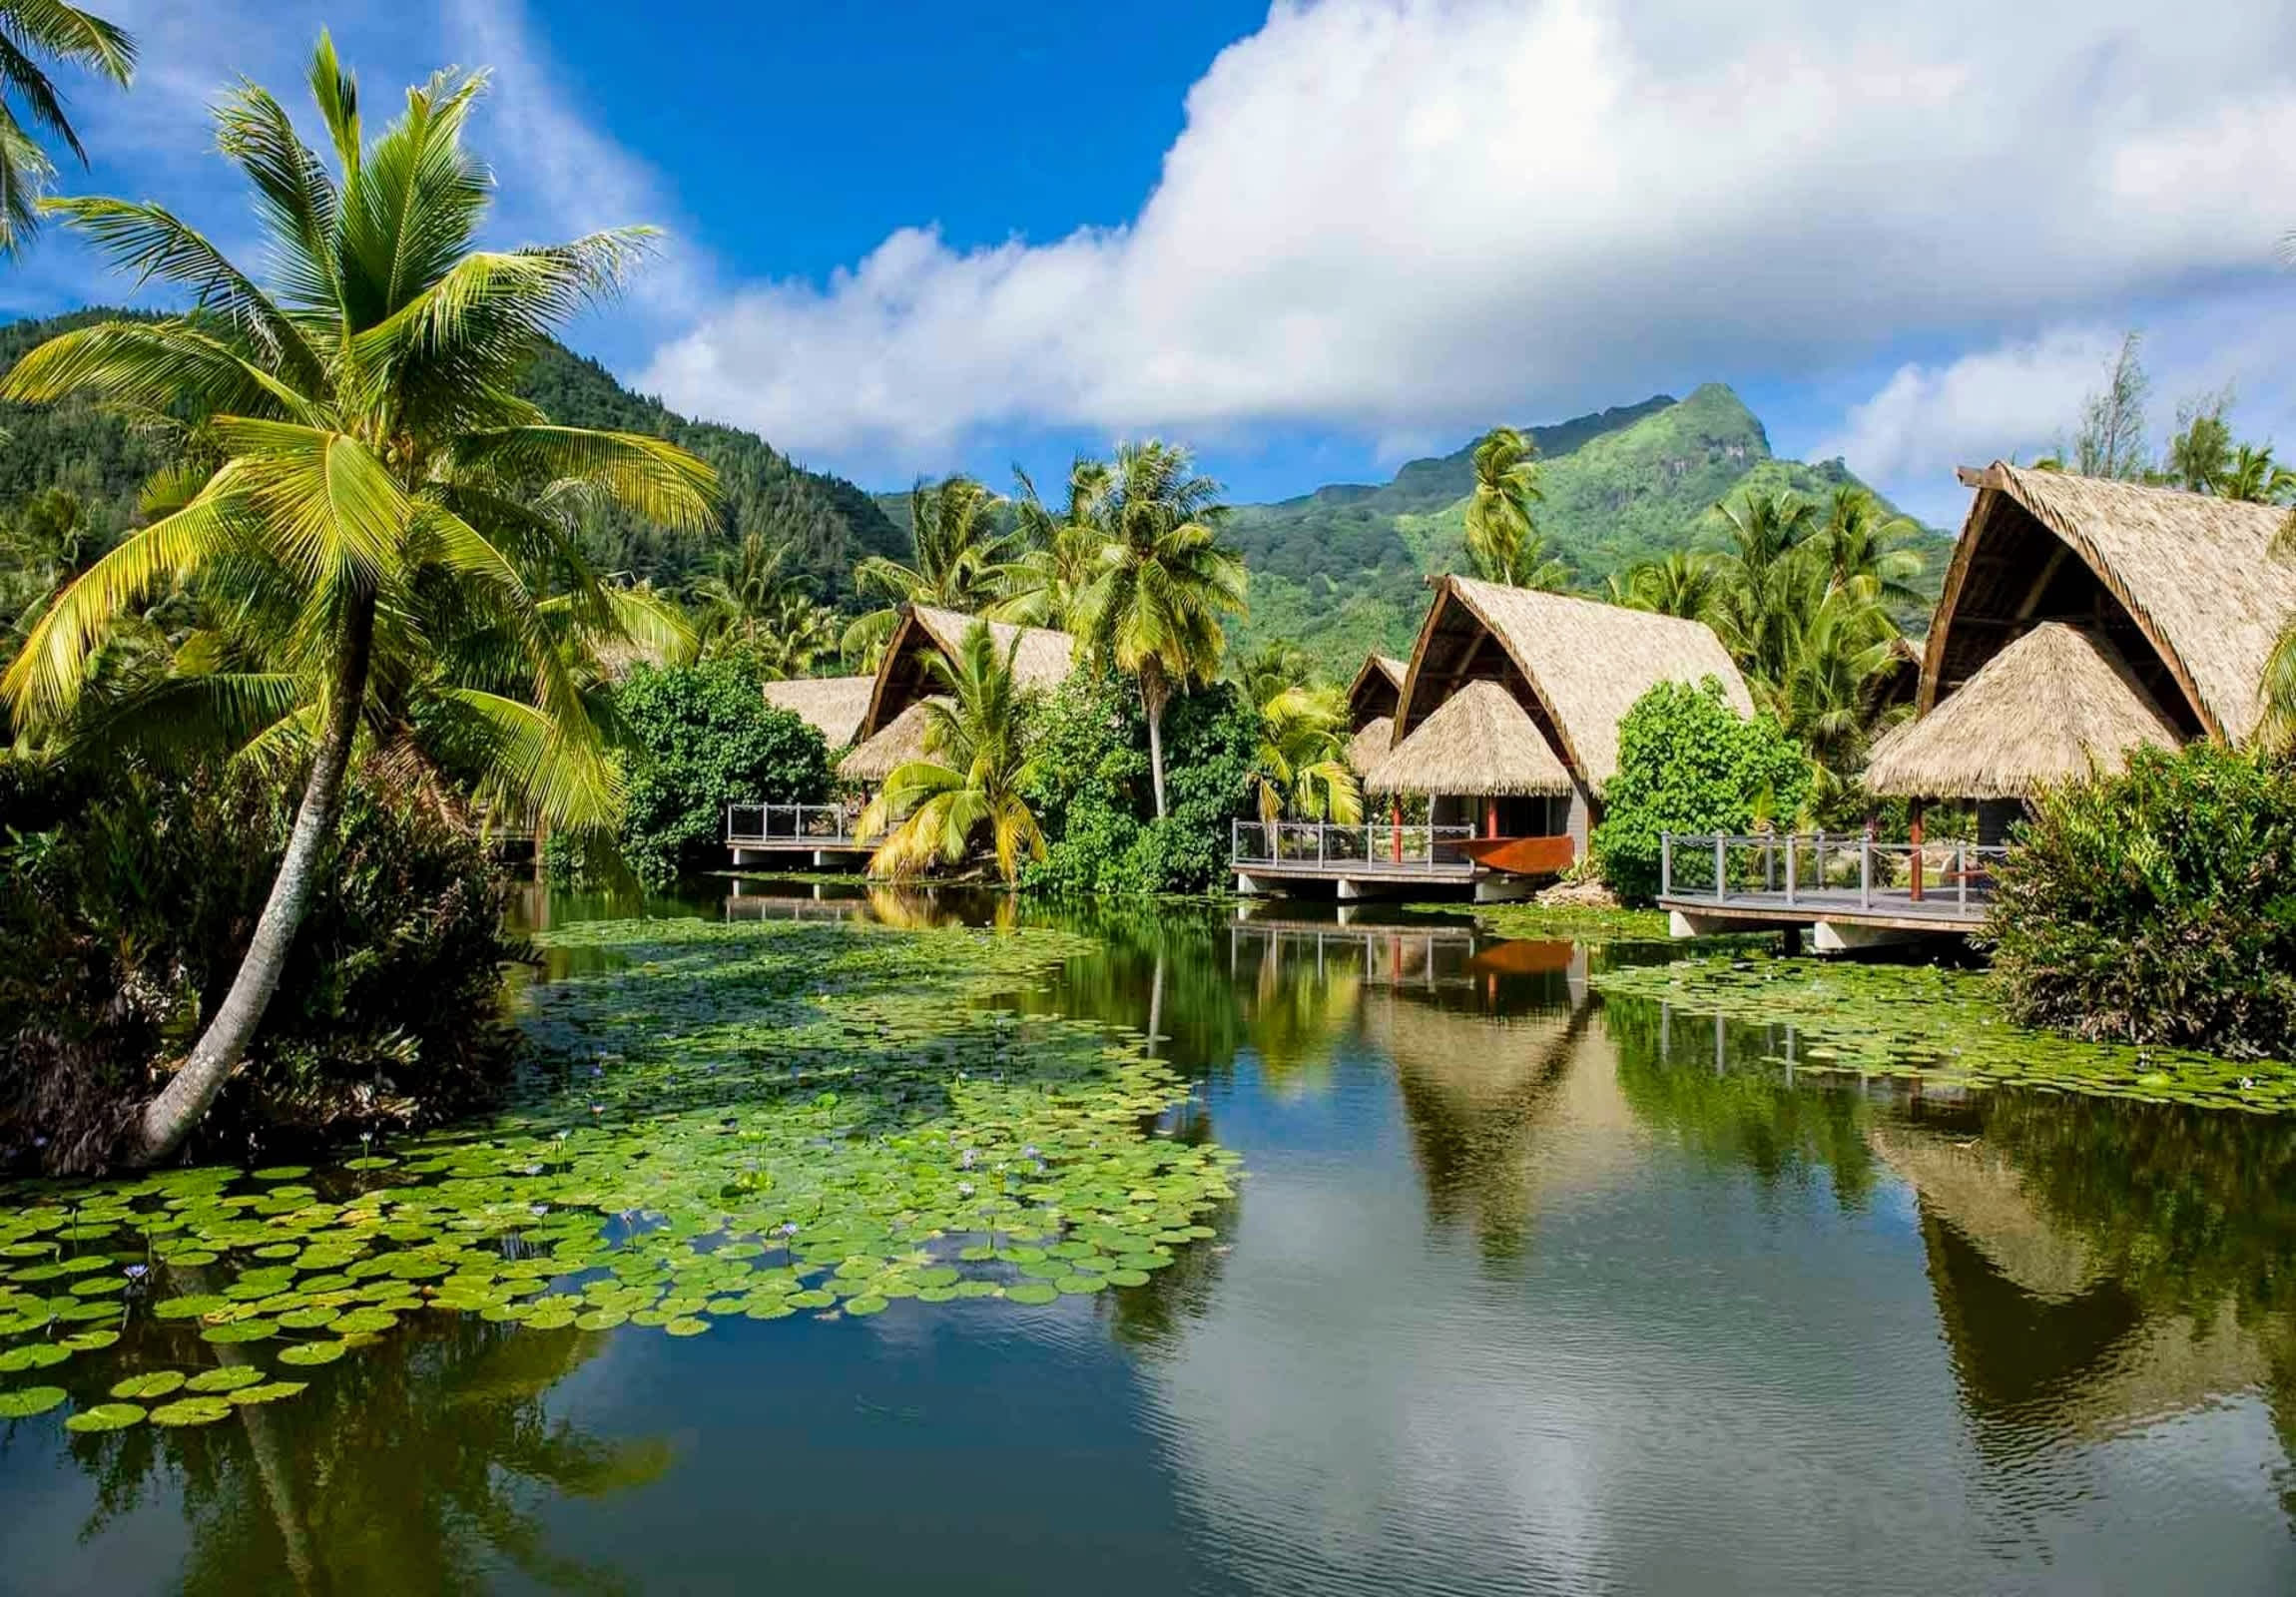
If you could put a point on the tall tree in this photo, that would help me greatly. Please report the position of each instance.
(1164, 581)
(962, 562)
(1062, 549)
(1500, 537)
(1686, 584)
(973, 776)
(2253, 475)
(1763, 589)
(376, 475)
(2111, 438)
(33, 32)
(2200, 451)
(1859, 541)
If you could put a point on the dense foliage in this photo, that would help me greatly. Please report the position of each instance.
(1091, 788)
(1689, 762)
(126, 904)
(2159, 905)
(701, 738)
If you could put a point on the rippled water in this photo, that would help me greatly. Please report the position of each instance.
(1524, 1293)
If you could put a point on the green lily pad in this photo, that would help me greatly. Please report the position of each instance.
(1076, 1285)
(225, 1377)
(192, 1411)
(26, 1402)
(151, 1383)
(106, 1416)
(867, 1303)
(1032, 1292)
(687, 1326)
(270, 1391)
(33, 1355)
(238, 1331)
(306, 1353)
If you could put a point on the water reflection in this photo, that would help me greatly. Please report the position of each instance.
(1525, 1290)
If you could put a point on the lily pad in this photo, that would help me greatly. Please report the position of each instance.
(106, 1416)
(225, 1377)
(26, 1402)
(1032, 1292)
(306, 1353)
(270, 1391)
(151, 1384)
(192, 1411)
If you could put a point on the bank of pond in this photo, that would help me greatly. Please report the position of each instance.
(1194, 1226)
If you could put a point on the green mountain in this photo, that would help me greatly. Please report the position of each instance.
(833, 523)
(1340, 569)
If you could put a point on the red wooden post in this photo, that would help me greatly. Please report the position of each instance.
(1490, 818)
(1395, 819)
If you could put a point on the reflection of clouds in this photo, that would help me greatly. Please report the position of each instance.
(1689, 1379)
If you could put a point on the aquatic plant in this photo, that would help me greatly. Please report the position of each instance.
(745, 1120)
(1927, 1020)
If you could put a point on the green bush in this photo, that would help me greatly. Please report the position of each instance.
(2159, 905)
(126, 904)
(1689, 762)
(701, 738)
(1093, 797)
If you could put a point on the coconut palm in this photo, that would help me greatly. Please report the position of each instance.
(376, 484)
(972, 776)
(963, 560)
(1062, 551)
(1763, 584)
(1302, 762)
(1500, 533)
(1164, 581)
(754, 608)
(1685, 583)
(2253, 475)
(33, 32)
(1859, 542)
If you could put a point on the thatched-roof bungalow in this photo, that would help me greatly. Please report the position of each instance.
(1529, 754)
(2055, 704)
(1042, 658)
(902, 741)
(1371, 700)
(2079, 619)
(832, 706)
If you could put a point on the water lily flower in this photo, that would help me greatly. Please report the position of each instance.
(138, 1272)
(965, 1189)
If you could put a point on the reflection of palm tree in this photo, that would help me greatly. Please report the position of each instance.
(408, 1468)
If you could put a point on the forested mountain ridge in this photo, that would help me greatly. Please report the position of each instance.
(831, 523)
(1341, 570)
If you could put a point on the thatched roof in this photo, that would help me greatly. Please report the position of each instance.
(1041, 659)
(900, 742)
(1481, 741)
(1577, 665)
(1378, 688)
(832, 706)
(2051, 708)
(2184, 585)
(1371, 744)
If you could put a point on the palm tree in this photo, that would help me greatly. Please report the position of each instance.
(1859, 542)
(976, 770)
(1063, 552)
(32, 31)
(1164, 581)
(378, 482)
(2253, 475)
(963, 560)
(1498, 525)
(1685, 584)
(755, 608)
(1303, 758)
(2279, 726)
(1762, 588)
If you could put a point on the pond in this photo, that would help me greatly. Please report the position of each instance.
(861, 1242)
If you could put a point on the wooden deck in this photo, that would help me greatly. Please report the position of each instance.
(1791, 880)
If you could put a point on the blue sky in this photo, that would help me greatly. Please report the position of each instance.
(1316, 239)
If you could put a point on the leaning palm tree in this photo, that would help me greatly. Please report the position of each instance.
(1498, 525)
(1859, 541)
(1685, 584)
(971, 780)
(2254, 476)
(1165, 578)
(963, 560)
(33, 31)
(376, 480)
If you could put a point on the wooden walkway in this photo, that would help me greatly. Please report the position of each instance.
(1712, 885)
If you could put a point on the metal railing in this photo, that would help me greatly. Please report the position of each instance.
(1370, 848)
(789, 825)
(1799, 868)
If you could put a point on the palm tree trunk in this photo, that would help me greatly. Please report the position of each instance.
(1152, 697)
(169, 1118)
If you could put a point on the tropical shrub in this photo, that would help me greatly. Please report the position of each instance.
(2159, 905)
(1093, 794)
(701, 738)
(126, 904)
(1689, 762)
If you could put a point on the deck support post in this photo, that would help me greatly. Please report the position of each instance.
(1666, 864)
(1718, 867)
(1914, 833)
(1790, 852)
(1866, 871)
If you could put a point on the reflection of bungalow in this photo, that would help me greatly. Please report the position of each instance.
(1371, 700)
(832, 706)
(2081, 618)
(891, 730)
(1507, 720)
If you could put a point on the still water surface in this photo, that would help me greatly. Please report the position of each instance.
(1524, 1292)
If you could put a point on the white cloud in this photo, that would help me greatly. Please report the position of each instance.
(1396, 215)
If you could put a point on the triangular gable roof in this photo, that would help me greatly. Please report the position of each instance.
(1042, 659)
(1586, 663)
(832, 706)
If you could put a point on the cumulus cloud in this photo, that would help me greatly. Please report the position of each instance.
(2017, 398)
(1394, 215)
